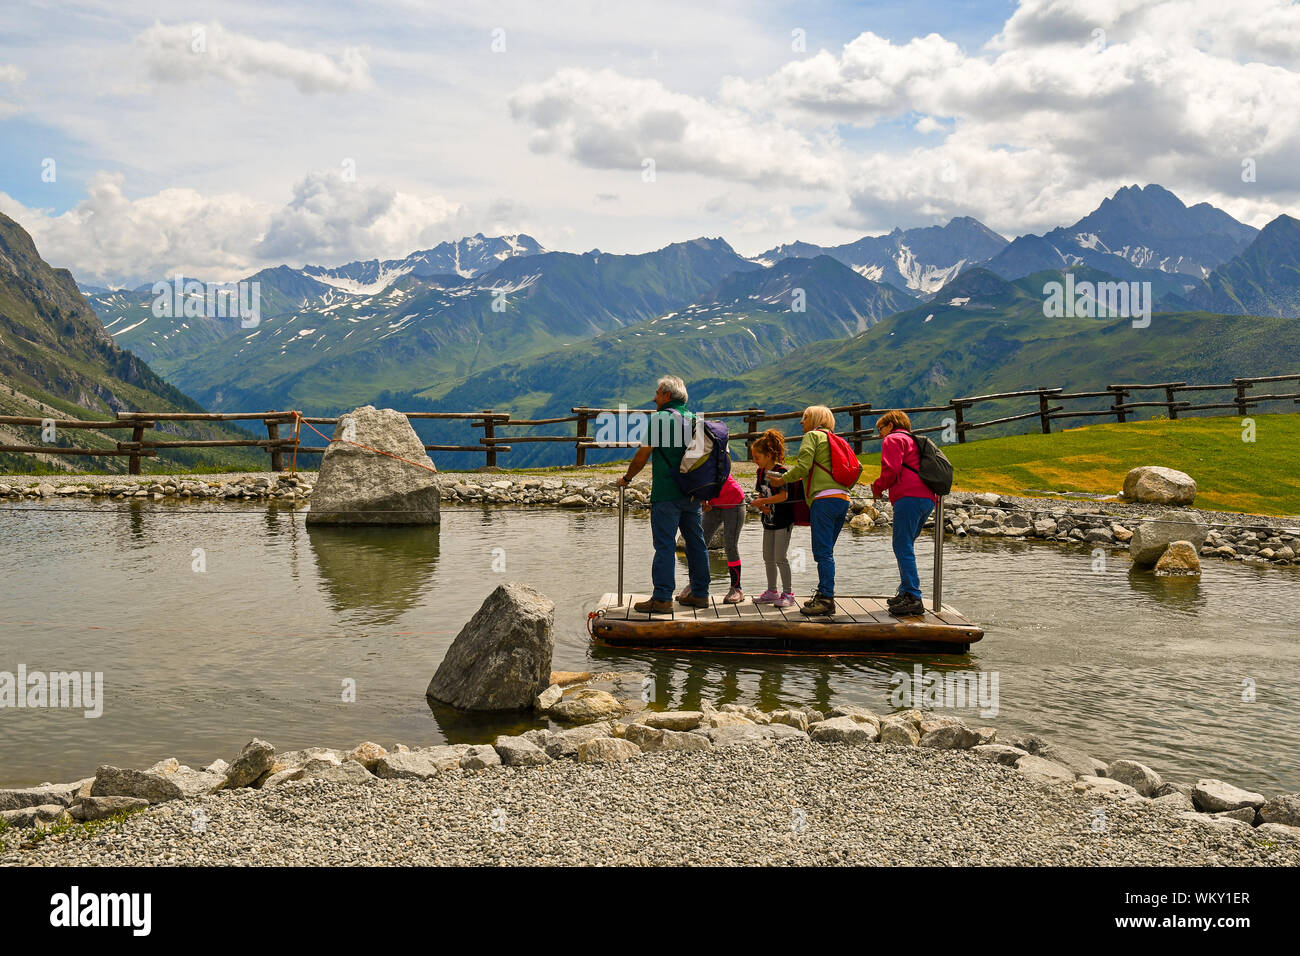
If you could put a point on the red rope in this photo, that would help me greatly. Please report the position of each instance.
(419, 464)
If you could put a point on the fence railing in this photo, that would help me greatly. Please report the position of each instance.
(1045, 405)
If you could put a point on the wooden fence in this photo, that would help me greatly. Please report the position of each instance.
(955, 420)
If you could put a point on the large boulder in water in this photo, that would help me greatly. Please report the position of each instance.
(501, 659)
(361, 486)
(1154, 485)
(1152, 537)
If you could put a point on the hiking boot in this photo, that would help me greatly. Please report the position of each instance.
(685, 593)
(785, 600)
(767, 597)
(908, 608)
(896, 600)
(818, 605)
(734, 596)
(651, 606)
(690, 600)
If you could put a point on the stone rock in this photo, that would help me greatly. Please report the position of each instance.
(218, 766)
(1174, 800)
(1151, 538)
(358, 486)
(1106, 787)
(294, 759)
(1245, 815)
(446, 756)
(1278, 830)
(1078, 762)
(986, 735)
(745, 710)
(1044, 771)
(60, 793)
(548, 698)
(727, 719)
(257, 758)
(862, 522)
(1179, 559)
(1284, 809)
(1151, 484)
(754, 735)
(795, 718)
(170, 765)
(1167, 788)
(1004, 754)
(539, 738)
(607, 750)
(1215, 796)
(931, 721)
(154, 787)
(45, 814)
(367, 754)
(1226, 823)
(895, 730)
(587, 704)
(349, 771)
(501, 659)
(565, 678)
(99, 808)
(861, 714)
(658, 738)
(950, 737)
(673, 719)
(1138, 776)
(480, 757)
(519, 752)
(844, 730)
(566, 743)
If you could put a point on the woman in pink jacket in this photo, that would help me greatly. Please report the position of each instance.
(912, 501)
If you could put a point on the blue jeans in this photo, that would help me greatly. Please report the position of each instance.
(666, 518)
(909, 519)
(827, 519)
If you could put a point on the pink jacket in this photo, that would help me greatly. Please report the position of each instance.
(730, 495)
(897, 450)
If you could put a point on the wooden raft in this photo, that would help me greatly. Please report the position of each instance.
(859, 624)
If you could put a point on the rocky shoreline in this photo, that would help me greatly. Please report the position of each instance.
(1106, 523)
(620, 784)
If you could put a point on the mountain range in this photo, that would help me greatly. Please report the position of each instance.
(502, 322)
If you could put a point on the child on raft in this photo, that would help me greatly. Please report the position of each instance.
(727, 511)
(777, 507)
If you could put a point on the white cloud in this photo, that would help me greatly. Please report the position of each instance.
(605, 120)
(10, 75)
(184, 52)
(110, 239)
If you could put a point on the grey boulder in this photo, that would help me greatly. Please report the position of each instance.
(1152, 537)
(1151, 484)
(501, 659)
(359, 486)
(257, 758)
(1215, 796)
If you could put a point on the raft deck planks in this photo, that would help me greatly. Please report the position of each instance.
(860, 623)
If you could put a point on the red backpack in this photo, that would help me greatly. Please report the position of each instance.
(845, 468)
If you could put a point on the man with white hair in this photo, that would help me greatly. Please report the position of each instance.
(668, 434)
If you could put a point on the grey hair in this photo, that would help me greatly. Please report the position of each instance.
(675, 387)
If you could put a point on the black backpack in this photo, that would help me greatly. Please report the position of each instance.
(936, 470)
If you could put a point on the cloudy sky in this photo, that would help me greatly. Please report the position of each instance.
(139, 139)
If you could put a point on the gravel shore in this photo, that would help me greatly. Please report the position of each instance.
(799, 803)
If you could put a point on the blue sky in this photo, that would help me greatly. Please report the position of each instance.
(218, 138)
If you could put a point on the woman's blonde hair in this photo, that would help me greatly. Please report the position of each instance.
(819, 416)
(770, 443)
(894, 419)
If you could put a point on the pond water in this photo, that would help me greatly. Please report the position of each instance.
(1196, 678)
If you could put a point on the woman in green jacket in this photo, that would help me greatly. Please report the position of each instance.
(828, 502)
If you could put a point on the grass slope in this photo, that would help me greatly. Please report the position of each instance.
(1257, 477)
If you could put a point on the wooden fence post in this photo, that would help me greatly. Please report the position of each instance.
(957, 410)
(273, 434)
(1169, 394)
(489, 432)
(1241, 396)
(580, 455)
(751, 426)
(137, 436)
(1120, 395)
(857, 428)
(1044, 414)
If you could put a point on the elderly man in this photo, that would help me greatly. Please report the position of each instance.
(668, 434)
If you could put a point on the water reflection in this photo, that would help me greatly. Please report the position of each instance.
(1171, 592)
(378, 571)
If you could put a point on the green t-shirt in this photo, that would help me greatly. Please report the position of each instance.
(669, 444)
